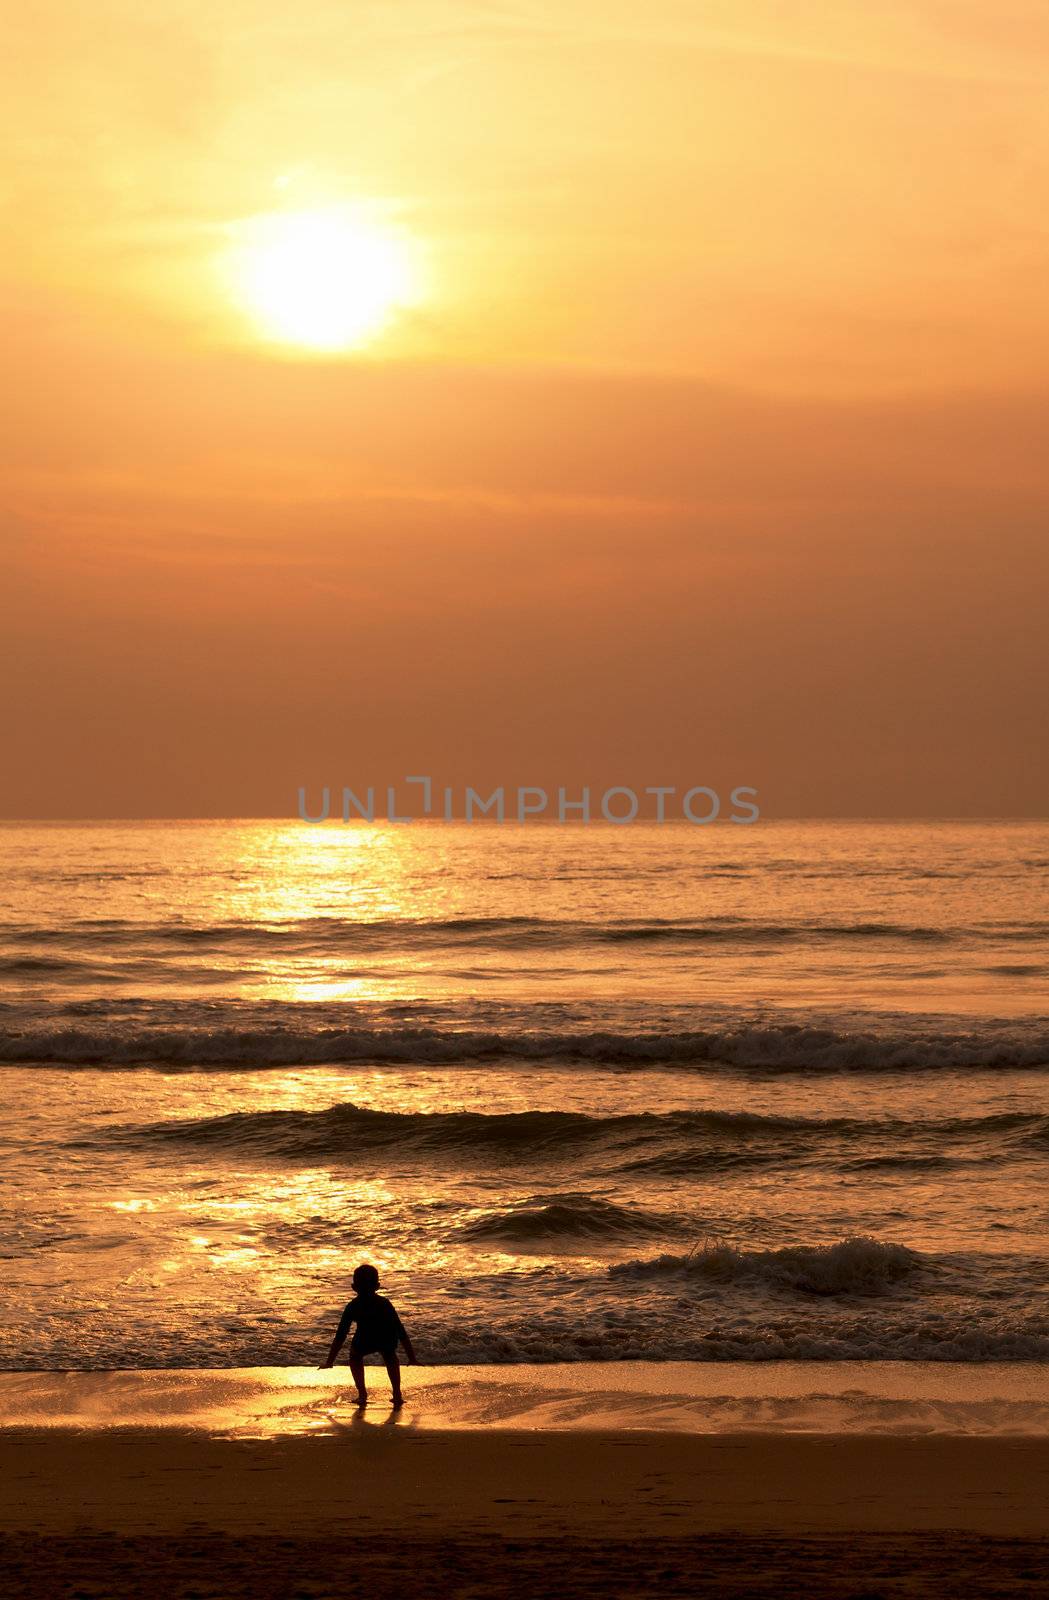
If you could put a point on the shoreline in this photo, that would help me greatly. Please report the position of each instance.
(267, 1483)
(867, 1399)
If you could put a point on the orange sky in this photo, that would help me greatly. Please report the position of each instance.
(712, 452)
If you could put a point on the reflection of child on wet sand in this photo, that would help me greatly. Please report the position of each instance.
(378, 1328)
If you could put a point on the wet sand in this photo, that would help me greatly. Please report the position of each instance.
(813, 1397)
(382, 1505)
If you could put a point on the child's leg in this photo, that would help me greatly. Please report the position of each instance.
(357, 1373)
(393, 1367)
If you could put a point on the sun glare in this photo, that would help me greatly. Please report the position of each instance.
(325, 280)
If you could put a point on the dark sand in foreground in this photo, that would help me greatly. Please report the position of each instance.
(393, 1510)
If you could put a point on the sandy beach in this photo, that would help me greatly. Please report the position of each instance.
(390, 1503)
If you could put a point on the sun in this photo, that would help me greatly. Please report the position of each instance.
(325, 280)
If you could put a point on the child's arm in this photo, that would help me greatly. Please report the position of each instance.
(407, 1343)
(340, 1338)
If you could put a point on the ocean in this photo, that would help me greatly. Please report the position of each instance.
(582, 1093)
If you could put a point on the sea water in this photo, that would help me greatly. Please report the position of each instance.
(583, 1093)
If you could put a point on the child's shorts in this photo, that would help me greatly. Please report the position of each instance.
(386, 1351)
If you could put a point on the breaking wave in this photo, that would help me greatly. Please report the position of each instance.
(781, 1047)
(854, 1266)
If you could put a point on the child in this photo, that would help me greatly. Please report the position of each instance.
(378, 1328)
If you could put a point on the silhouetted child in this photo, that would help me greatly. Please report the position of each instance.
(378, 1328)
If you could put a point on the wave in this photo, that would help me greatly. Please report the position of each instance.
(857, 1299)
(332, 934)
(861, 1266)
(345, 1131)
(858, 1338)
(30, 963)
(674, 1143)
(784, 1047)
(485, 1342)
(545, 1219)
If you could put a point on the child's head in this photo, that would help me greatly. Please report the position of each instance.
(366, 1278)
